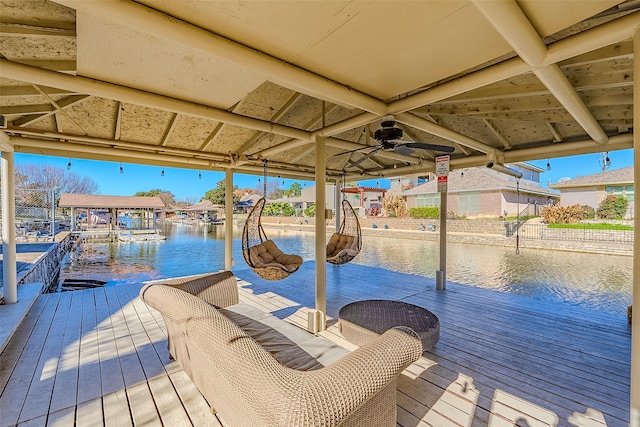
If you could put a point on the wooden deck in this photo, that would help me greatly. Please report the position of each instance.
(98, 357)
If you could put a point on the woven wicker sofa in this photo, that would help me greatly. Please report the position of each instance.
(258, 370)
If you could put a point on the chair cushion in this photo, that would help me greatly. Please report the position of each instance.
(267, 254)
(339, 242)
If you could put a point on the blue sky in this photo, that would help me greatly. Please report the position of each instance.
(185, 184)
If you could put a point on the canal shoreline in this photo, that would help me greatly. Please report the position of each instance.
(605, 248)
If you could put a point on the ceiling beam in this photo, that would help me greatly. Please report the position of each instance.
(5, 143)
(21, 72)
(63, 103)
(618, 142)
(514, 26)
(116, 153)
(23, 30)
(149, 21)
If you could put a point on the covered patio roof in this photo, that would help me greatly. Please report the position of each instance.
(307, 86)
(217, 85)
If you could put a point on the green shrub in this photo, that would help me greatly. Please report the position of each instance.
(613, 207)
(310, 210)
(453, 215)
(284, 209)
(425, 212)
(589, 212)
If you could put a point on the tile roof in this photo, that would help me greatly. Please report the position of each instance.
(68, 200)
(616, 176)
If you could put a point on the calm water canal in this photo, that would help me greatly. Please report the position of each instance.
(601, 282)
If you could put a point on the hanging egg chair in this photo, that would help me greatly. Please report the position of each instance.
(344, 245)
(262, 254)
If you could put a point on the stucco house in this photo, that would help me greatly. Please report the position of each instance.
(485, 192)
(591, 190)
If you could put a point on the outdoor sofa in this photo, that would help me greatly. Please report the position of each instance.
(258, 370)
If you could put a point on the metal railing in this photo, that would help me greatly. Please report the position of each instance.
(543, 232)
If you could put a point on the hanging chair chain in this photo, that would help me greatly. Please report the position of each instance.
(344, 183)
(264, 184)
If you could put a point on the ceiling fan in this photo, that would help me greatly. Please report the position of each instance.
(389, 136)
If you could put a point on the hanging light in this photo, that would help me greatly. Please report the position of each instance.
(548, 165)
(162, 173)
(199, 175)
(121, 168)
(69, 164)
(608, 160)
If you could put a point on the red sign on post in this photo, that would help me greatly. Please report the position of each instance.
(442, 184)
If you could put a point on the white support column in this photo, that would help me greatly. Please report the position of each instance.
(338, 203)
(228, 220)
(635, 326)
(317, 319)
(441, 274)
(9, 269)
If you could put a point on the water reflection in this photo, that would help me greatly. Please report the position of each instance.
(596, 281)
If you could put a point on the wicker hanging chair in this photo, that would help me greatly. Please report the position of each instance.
(346, 244)
(262, 254)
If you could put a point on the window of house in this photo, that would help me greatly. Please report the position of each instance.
(432, 199)
(625, 191)
(469, 202)
(629, 193)
(613, 190)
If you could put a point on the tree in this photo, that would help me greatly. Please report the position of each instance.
(279, 208)
(47, 177)
(294, 190)
(217, 195)
(167, 197)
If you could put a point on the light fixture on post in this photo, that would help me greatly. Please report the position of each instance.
(162, 173)
(121, 168)
(69, 164)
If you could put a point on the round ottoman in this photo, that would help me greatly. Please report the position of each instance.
(362, 321)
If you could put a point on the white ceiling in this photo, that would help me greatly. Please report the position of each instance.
(228, 84)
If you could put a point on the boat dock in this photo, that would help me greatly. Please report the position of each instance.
(99, 356)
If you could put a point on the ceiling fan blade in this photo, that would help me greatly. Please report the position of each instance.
(365, 157)
(352, 151)
(432, 147)
(403, 149)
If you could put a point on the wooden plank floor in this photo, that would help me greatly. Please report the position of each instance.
(98, 357)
